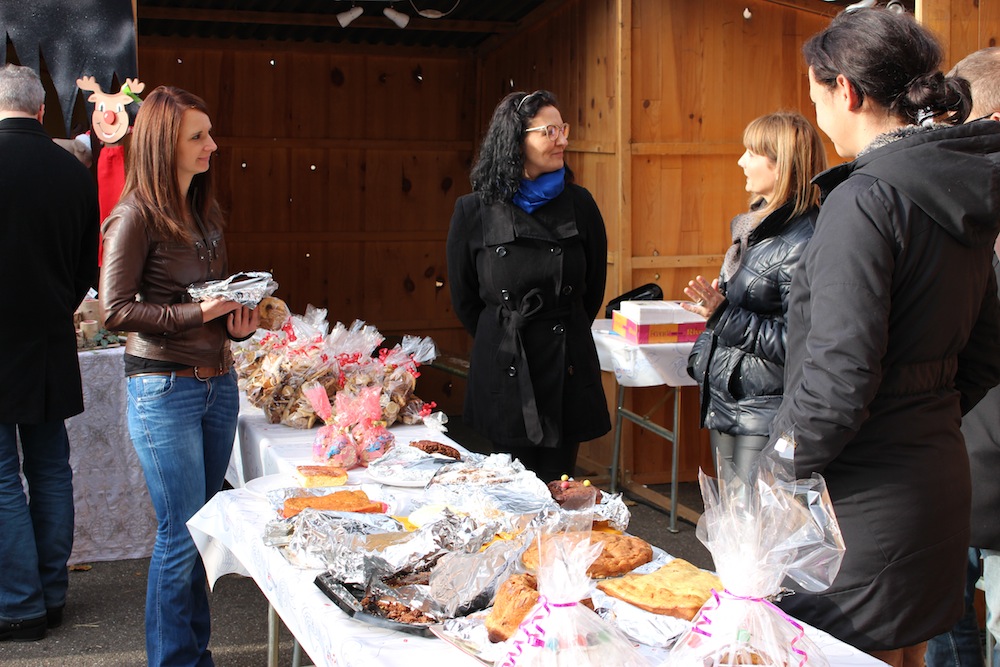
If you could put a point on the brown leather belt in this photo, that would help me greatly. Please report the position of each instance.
(197, 372)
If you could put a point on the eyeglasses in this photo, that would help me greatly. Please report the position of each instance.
(552, 131)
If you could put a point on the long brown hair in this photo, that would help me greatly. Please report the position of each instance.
(790, 141)
(151, 177)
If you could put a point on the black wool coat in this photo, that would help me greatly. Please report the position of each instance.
(49, 221)
(893, 333)
(528, 288)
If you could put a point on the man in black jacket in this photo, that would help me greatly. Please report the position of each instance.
(48, 261)
(961, 646)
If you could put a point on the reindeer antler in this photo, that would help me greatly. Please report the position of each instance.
(88, 83)
(134, 85)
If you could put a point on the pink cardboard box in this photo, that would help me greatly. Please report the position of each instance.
(656, 322)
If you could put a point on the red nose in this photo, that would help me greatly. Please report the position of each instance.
(110, 118)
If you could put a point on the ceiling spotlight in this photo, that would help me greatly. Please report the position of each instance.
(345, 18)
(399, 18)
(860, 5)
(433, 13)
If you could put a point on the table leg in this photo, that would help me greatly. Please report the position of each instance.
(273, 640)
(674, 460)
(670, 504)
(617, 450)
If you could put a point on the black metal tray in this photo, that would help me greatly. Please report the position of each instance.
(348, 598)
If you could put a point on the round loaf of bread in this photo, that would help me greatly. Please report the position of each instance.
(621, 554)
(432, 447)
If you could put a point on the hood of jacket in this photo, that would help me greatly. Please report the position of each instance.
(962, 194)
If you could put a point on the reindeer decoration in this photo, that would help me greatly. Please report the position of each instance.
(110, 124)
(110, 120)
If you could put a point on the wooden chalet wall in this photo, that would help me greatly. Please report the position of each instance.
(662, 166)
(963, 26)
(339, 169)
(340, 165)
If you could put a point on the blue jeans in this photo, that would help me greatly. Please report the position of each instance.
(961, 646)
(36, 535)
(182, 430)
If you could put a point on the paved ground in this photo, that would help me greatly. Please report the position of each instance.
(103, 625)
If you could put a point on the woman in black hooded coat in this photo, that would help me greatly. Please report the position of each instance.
(893, 329)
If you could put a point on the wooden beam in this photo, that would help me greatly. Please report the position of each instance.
(830, 9)
(676, 261)
(693, 148)
(458, 146)
(275, 46)
(623, 139)
(539, 14)
(317, 20)
(233, 236)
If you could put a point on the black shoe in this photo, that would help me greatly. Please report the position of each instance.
(23, 631)
(53, 616)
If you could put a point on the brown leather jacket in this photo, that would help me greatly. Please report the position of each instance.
(143, 290)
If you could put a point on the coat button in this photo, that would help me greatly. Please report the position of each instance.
(501, 251)
(505, 295)
(558, 329)
(511, 371)
(569, 370)
(556, 250)
(567, 290)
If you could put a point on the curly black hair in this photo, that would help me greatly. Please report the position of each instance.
(499, 166)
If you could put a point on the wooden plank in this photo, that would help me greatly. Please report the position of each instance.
(317, 20)
(989, 23)
(411, 284)
(354, 143)
(676, 261)
(186, 44)
(620, 237)
(413, 191)
(824, 9)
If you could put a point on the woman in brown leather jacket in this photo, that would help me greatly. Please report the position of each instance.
(164, 235)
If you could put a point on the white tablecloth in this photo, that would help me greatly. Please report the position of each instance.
(228, 533)
(647, 365)
(265, 449)
(114, 516)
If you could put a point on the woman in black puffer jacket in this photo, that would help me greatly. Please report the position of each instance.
(739, 360)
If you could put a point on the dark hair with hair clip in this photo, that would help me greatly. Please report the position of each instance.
(890, 59)
(499, 166)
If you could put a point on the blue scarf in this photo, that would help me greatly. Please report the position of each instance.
(535, 194)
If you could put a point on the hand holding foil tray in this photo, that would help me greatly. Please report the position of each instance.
(248, 288)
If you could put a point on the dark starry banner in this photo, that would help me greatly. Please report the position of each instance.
(73, 38)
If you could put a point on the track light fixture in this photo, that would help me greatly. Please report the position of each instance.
(860, 5)
(433, 13)
(399, 18)
(345, 18)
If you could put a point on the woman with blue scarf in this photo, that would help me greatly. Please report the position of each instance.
(527, 257)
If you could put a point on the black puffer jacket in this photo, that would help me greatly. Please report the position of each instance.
(739, 362)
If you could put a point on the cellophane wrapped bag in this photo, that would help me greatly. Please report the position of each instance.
(274, 366)
(559, 630)
(760, 531)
